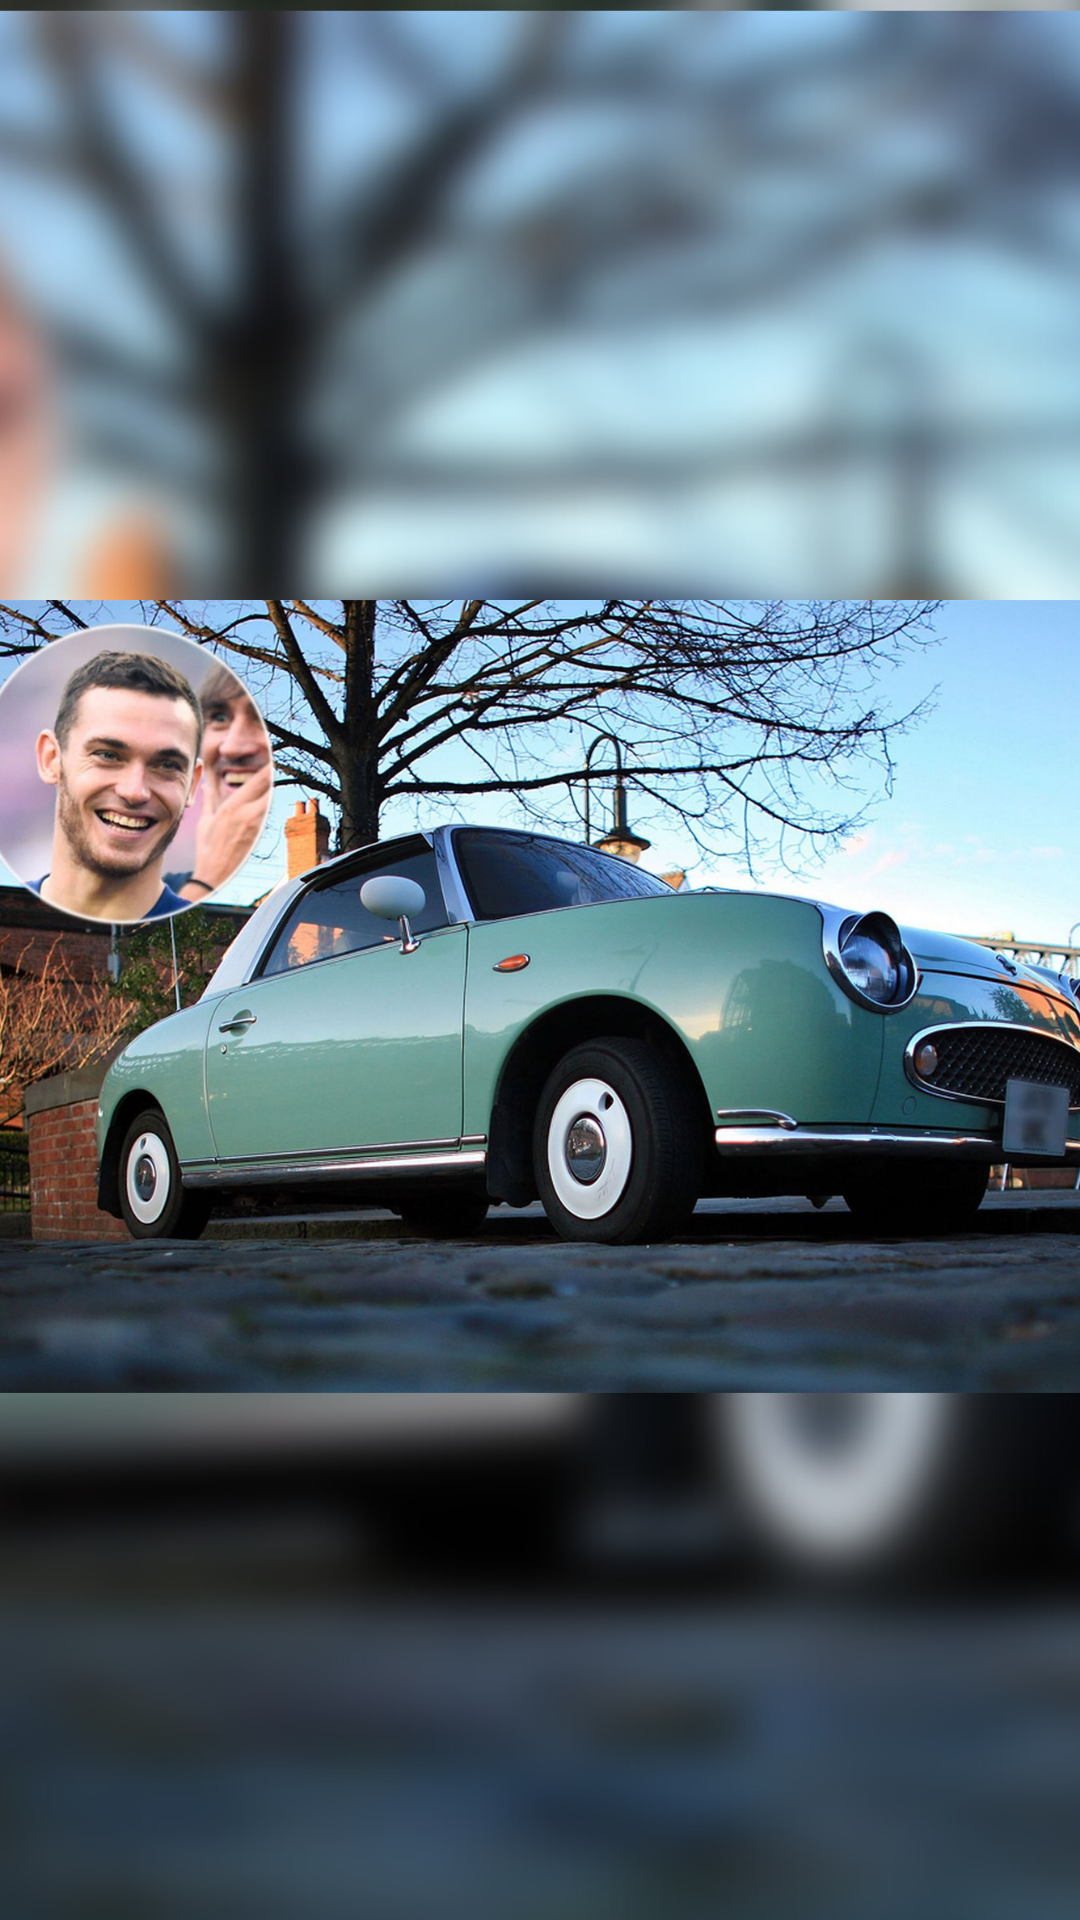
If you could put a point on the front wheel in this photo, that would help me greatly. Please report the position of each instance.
(838, 1485)
(616, 1147)
(153, 1200)
(849, 1487)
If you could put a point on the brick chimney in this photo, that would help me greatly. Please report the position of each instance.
(307, 838)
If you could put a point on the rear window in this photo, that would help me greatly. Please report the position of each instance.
(512, 873)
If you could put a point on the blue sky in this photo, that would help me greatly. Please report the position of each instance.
(982, 831)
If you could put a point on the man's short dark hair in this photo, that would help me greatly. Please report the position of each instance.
(129, 673)
(221, 683)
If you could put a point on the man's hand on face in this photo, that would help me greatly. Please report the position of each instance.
(229, 825)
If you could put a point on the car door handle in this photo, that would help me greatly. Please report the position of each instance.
(241, 1021)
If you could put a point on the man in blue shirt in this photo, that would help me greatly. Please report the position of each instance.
(123, 755)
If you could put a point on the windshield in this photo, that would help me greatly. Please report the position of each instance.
(512, 873)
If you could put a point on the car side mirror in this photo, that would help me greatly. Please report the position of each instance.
(390, 896)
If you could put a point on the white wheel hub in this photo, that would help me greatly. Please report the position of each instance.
(837, 1477)
(590, 1149)
(148, 1179)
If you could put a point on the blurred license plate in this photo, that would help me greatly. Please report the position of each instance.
(1036, 1118)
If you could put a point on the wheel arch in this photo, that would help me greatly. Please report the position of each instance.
(530, 1060)
(137, 1100)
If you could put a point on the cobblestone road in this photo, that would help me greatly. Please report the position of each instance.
(533, 1763)
(756, 1295)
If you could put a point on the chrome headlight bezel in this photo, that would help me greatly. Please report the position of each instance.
(840, 929)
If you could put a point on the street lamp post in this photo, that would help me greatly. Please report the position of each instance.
(620, 839)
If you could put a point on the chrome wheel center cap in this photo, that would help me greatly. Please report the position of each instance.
(145, 1177)
(586, 1149)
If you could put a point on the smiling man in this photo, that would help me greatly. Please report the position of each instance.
(123, 755)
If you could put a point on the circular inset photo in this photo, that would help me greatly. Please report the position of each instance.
(137, 773)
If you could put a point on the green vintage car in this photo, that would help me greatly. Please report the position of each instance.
(473, 1015)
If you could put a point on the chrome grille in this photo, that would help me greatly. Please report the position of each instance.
(975, 1062)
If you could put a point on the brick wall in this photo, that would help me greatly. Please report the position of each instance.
(60, 1116)
(82, 955)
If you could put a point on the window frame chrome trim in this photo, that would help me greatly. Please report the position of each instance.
(975, 1026)
(455, 896)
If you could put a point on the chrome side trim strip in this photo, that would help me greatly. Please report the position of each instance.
(975, 1026)
(448, 1145)
(742, 1142)
(768, 1116)
(250, 1173)
(474, 1139)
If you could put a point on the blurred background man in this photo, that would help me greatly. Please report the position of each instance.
(237, 779)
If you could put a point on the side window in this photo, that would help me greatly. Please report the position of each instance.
(327, 921)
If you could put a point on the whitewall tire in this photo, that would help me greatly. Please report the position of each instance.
(617, 1145)
(153, 1200)
(839, 1483)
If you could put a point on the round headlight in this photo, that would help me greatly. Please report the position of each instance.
(870, 967)
(866, 955)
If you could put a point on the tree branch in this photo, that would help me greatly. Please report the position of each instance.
(302, 672)
(125, 187)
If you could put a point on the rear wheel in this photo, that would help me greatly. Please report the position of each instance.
(616, 1147)
(923, 1200)
(153, 1200)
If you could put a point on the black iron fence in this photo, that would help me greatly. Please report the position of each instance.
(14, 1171)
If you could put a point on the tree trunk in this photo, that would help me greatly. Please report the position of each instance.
(258, 356)
(356, 751)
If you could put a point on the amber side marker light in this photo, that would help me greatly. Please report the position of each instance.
(926, 1060)
(512, 964)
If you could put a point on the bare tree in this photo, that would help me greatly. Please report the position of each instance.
(751, 723)
(55, 1015)
(308, 228)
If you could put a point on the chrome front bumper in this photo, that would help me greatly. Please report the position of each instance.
(788, 1142)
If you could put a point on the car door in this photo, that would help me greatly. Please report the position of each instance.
(343, 1043)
